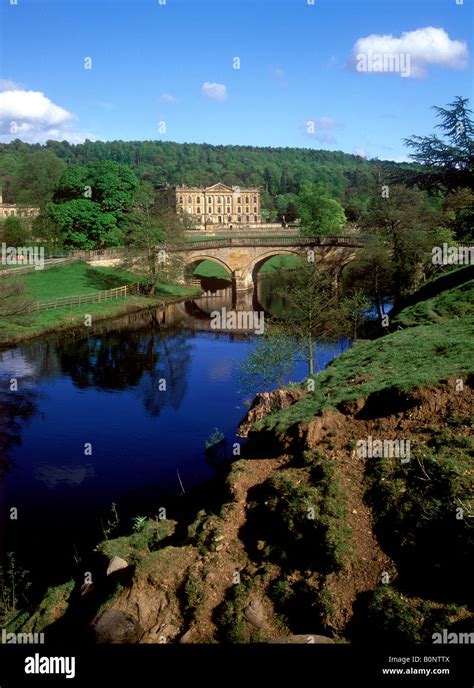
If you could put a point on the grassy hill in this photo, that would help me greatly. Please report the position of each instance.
(438, 344)
(449, 295)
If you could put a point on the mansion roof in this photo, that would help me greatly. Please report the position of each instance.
(216, 187)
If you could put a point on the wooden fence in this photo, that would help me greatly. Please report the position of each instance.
(86, 299)
(48, 263)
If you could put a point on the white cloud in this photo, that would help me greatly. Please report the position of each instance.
(217, 92)
(414, 51)
(167, 98)
(361, 152)
(34, 118)
(32, 106)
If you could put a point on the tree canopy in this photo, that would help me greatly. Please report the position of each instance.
(91, 202)
(448, 161)
(320, 214)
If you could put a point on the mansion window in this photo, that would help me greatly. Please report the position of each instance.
(198, 210)
(228, 210)
(239, 210)
(255, 218)
(255, 209)
(219, 209)
(190, 199)
(180, 199)
(229, 219)
(239, 219)
(247, 218)
(238, 199)
(218, 199)
(254, 199)
(228, 199)
(246, 199)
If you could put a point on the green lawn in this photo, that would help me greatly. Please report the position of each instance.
(75, 279)
(282, 262)
(209, 268)
(33, 324)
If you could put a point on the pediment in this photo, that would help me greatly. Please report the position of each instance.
(220, 187)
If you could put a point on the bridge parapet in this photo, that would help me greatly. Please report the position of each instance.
(270, 241)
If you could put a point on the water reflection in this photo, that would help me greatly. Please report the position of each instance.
(104, 386)
(18, 403)
(264, 297)
(72, 475)
(152, 362)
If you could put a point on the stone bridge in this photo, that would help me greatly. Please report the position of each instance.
(243, 257)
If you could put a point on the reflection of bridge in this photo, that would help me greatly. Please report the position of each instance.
(243, 257)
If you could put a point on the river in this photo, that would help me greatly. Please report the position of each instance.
(92, 424)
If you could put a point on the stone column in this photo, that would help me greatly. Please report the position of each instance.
(242, 282)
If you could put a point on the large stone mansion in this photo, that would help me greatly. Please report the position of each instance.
(14, 210)
(218, 204)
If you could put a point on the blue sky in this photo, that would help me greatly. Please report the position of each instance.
(173, 62)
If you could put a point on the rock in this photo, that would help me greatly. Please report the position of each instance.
(116, 626)
(254, 613)
(312, 433)
(169, 631)
(351, 408)
(189, 637)
(299, 639)
(116, 564)
(266, 403)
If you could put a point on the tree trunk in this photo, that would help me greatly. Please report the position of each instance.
(379, 307)
(153, 284)
(310, 355)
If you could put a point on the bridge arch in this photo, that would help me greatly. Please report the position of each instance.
(256, 263)
(338, 274)
(196, 260)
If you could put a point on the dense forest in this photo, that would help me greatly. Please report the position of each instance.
(280, 173)
(88, 193)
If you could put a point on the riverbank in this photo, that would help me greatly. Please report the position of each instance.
(81, 279)
(315, 534)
